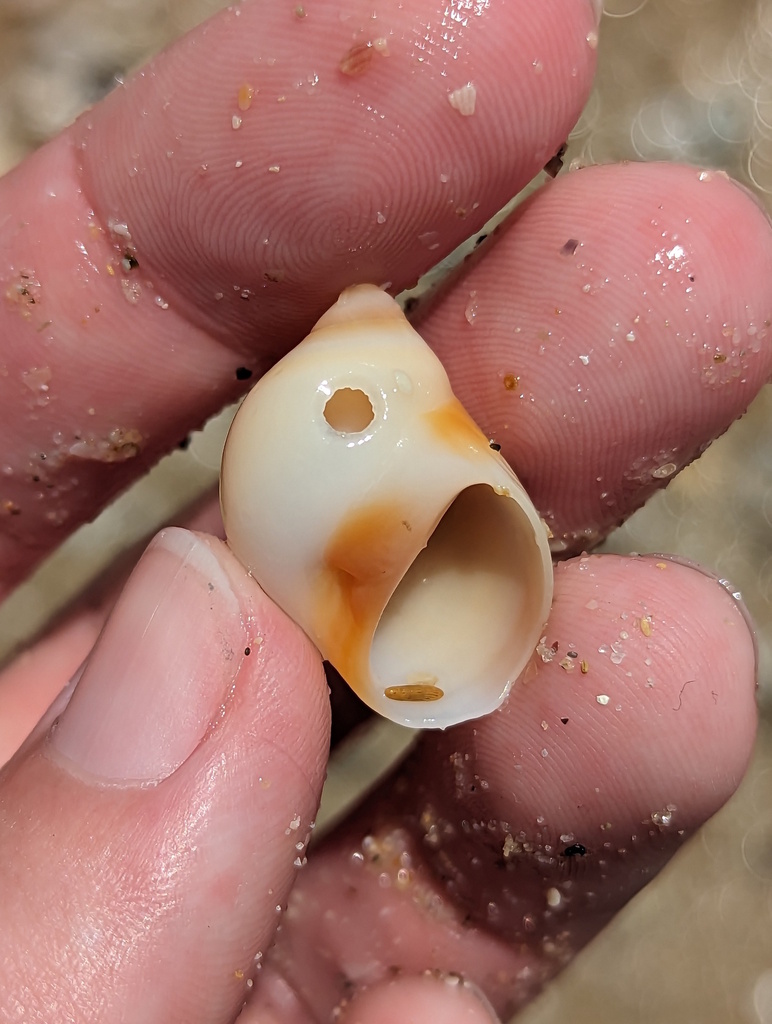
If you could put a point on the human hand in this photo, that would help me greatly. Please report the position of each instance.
(148, 899)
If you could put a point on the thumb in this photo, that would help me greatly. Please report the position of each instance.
(149, 838)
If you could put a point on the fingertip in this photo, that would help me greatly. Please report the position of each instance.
(627, 301)
(442, 999)
(504, 845)
(290, 688)
(179, 786)
(642, 696)
(186, 232)
(522, 72)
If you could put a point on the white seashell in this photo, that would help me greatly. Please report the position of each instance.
(365, 501)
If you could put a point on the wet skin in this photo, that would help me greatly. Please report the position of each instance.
(152, 838)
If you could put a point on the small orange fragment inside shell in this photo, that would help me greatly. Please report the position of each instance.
(414, 691)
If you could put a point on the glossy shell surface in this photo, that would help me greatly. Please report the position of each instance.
(372, 509)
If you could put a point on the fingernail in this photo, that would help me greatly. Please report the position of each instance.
(159, 672)
(726, 585)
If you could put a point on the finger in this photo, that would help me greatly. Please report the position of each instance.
(504, 845)
(414, 1000)
(147, 839)
(410, 1000)
(172, 243)
(30, 682)
(618, 325)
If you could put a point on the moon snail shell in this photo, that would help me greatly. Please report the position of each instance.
(365, 501)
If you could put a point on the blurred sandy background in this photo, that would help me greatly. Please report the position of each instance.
(679, 79)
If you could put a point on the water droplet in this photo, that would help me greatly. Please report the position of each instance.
(663, 472)
(663, 817)
(403, 382)
(553, 897)
(603, 699)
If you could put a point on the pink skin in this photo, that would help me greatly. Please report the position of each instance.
(149, 826)
(31, 682)
(611, 298)
(347, 151)
(169, 855)
(476, 902)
